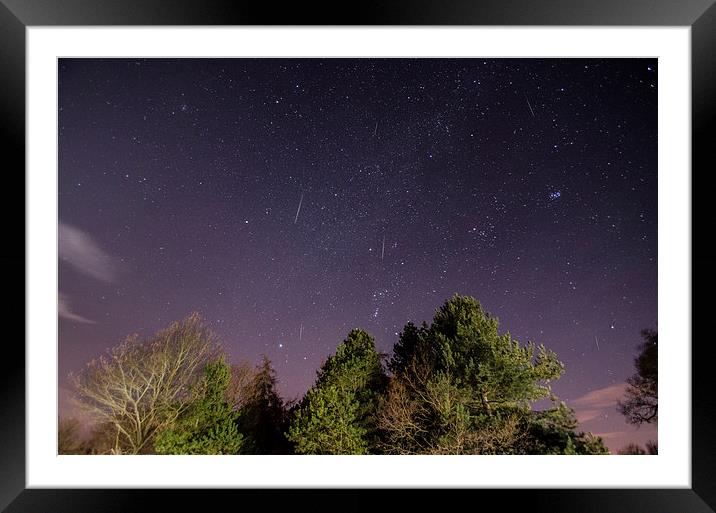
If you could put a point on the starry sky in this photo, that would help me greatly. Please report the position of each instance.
(291, 200)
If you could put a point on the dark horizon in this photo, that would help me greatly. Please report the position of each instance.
(290, 200)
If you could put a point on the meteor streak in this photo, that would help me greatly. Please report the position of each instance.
(529, 104)
(299, 209)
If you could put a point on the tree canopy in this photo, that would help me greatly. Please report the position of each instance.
(459, 387)
(140, 387)
(263, 414)
(208, 424)
(455, 385)
(641, 402)
(338, 414)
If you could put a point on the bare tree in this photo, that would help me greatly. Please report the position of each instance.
(141, 387)
(240, 389)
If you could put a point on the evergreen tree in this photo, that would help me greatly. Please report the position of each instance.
(405, 348)
(262, 417)
(554, 431)
(459, 387)
(338, 414)
(208, 425)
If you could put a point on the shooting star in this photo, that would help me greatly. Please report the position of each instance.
(300, 333)
(299, 209)
(375, 132)
(529, 104)
(382, 251)
(596, 341)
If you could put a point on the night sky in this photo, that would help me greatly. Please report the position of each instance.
(290, 200)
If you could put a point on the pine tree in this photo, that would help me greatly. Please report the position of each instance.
(459, 387)
(208, 425)
(555, 431)
(338, 414)
(263, 416)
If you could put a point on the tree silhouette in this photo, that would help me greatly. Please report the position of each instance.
(632, 448)
(263, 415)
(640, 405)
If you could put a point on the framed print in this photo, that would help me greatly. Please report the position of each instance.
(425, 248)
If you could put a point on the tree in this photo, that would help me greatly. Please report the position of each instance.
(241, 384)
(641, 402)
(69, 440)
(632, 448)
(554, 431)
(338, 414)
(263, 416)
(459, 387)
(406, 347)
(208, 424)
(104, 438)
(142, 387)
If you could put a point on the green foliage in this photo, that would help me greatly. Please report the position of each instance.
(463, 342)
(554, 431)
(641, 404)
(467, 345)
(337, 415)
(459, 387)
(328, 423)
(208, 425)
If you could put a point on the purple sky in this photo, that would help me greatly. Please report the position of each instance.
(290, 200)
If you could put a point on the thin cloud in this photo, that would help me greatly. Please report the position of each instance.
(65, 311)
(613, 434)
(616, 440)
(593, 404)
(80, 251)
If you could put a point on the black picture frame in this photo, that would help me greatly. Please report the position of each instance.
(17, 15)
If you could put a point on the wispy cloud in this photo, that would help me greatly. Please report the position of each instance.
(65, 311)
(593, 404)
(613, 434)
(617, 440)
(79, 250)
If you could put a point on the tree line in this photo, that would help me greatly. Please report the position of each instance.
(454, 386)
